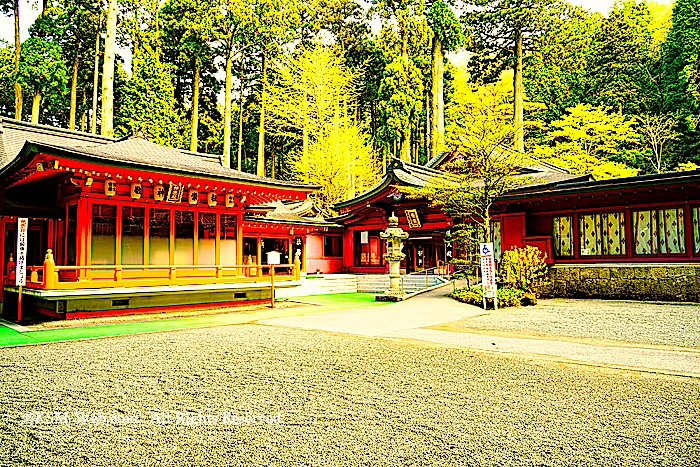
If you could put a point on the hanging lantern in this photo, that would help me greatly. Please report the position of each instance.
(110, 187)
(136, 190)
(211, 199)
(158, 192)
(193, 196)
(230, 200)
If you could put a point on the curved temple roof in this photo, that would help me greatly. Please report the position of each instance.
(20, 140)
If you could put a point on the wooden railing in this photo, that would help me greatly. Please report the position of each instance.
(52, 277)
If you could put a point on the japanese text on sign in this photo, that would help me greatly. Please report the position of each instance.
(21, 264)
(488, 269)
(412, 219)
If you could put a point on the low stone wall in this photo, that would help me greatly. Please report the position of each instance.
(667, 282)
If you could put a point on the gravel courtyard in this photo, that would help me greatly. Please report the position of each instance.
(646, 323)
(341, 400)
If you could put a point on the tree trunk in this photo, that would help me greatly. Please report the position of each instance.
(36, 106)
(437, 101)
(73, 93)
(195, 107)
(427, 140)
(107, 121)
(519, 131)
(304, 142)
(18, 47)
(240, 120)
(227, 112)
(406, 145)
(273, 161)
(261, 133)
(96, 78)
(83, 115)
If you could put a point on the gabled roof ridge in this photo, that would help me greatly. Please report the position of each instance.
(208, 168)
(422, 168)
(41, 128)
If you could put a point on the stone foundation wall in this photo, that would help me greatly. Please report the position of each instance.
(666, 282)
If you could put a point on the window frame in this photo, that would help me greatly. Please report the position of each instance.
(658, 254)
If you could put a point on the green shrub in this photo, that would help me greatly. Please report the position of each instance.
(473, 296)
(523, 269)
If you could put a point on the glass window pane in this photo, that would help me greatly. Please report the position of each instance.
(206, 238)
(159, 236)
(184, 237)
(132, 235)
(104, 234)
(696, 230)
(602, 234)
(589, 230)
(563, 234)
(228, 239)
(671, 231)
(613, 233)
(659, 232)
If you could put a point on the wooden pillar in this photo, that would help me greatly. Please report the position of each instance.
(146, 235)
(259, 255)
(195, 237)
(82, 235)
(172, 237)
(2, 258)
(118, 237)
(217, 240)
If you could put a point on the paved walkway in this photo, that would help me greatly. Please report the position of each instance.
(407, 320)
(428, 309)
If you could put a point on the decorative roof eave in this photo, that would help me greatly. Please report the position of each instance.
(31, 149)
(305, 223)
(576, 187)
(388, 180)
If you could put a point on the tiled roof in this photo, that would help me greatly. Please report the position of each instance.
(414, 175)
(14, 133)
(297, 213)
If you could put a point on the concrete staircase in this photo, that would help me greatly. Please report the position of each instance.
(349, 283)
(411, 283)
(319, 285)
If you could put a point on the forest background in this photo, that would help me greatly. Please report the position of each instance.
(327, 91)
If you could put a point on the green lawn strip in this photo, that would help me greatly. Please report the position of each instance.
(333, 302)
(9, 336)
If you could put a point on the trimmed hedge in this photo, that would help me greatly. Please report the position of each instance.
(506, 297)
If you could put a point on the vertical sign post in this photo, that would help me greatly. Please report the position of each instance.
(21, 264)
(488, 273)
(449, 251)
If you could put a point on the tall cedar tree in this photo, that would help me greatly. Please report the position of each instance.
(447, 37)
(501, 32)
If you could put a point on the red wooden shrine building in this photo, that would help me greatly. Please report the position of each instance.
(117, 226)
(366, 215)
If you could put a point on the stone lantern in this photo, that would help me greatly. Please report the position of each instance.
(394, 236)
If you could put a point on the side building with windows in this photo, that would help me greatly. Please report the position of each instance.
(635, 237)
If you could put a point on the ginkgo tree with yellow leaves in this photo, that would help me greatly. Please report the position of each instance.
(314, 103)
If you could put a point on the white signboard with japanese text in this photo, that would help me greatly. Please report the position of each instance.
(21, 263)
(488, 269)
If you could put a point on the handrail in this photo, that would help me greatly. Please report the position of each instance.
(163, 266)
(98, 275)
